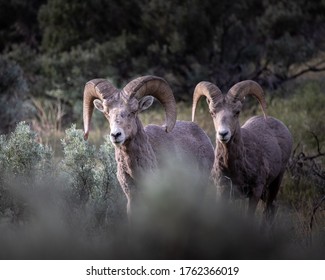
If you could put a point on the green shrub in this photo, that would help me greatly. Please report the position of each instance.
(21, 153)
(79, 162)
(79, 197)
(92, 176)
(23, 163)
(109, 193)
(171, 213)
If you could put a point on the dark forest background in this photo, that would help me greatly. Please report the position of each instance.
(49, 49)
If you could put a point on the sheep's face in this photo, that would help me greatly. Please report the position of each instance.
(225, 118)
(122, 115)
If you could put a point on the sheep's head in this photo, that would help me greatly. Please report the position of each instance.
(225, 108)
(121, 107)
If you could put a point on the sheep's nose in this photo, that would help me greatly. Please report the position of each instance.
(116, 135)
(223, 133)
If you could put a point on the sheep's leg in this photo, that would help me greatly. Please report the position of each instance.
(252, 204)
(273, 190)
(128, 208)
(254, 198)
(127, 185)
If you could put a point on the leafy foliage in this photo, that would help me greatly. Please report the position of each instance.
(13, 91)
(18, 22)
(23, 161)
(92, 176)
(21, 154)
(87, 177)
(79, 162)
(99, 21)
(183, 41)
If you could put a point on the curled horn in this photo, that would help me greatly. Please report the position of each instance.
(210, 91)
(158, 88)
(248, 87)
(94, 89)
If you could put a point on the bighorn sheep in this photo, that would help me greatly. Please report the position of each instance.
(140, 150)
(249, 160)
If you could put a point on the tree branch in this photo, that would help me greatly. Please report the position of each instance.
(319, 153)
(317, 205)
(304, 71)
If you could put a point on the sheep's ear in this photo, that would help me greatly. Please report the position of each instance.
(145, 103)
(99, 105)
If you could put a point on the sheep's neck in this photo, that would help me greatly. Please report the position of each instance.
(230, 157)
(232, 163)
(136, 157)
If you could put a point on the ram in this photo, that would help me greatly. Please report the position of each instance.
(141, 150)
(249, 160)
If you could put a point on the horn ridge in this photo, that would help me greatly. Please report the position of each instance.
(210, 91)
(94, 89)
(158, 88)
(248, 87)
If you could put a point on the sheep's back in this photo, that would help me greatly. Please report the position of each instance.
(272, 137)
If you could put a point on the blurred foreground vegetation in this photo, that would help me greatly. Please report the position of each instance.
(57, 189)
(74, 200)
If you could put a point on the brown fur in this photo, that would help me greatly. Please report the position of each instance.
(140, 151)
(148, 148)
(251, 159)
(254, 159)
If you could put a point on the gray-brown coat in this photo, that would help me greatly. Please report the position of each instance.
(249, 160)
(140, 150)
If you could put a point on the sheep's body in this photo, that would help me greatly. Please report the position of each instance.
(274, 140)
(140, 151)
(152, 147)
(249, 160)
(187, 141)
(254, 160)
